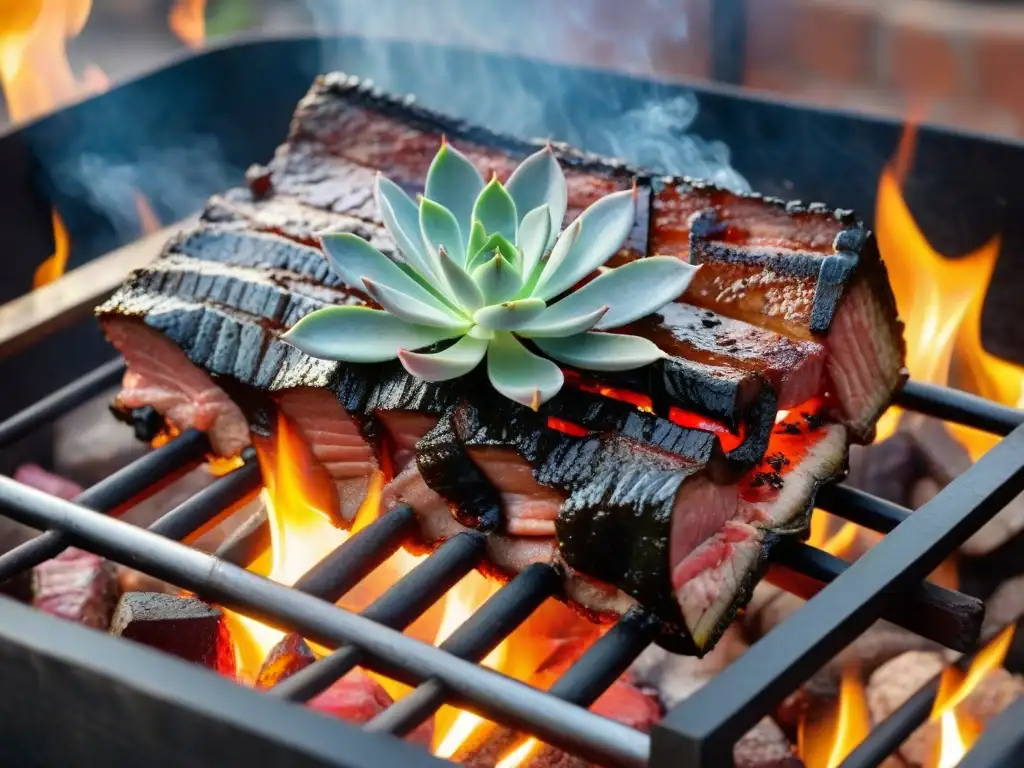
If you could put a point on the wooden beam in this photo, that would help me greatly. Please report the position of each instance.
(73, 296)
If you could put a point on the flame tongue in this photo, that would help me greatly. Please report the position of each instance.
(826, 738)
(940, 300)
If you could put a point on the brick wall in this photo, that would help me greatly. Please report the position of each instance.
(955, 61)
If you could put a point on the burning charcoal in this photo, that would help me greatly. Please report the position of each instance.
(887, 469)
(924, 490)
(997, 531)
(675, 678)
(1006, 606)
(622, 702)
(285, 659)
(945, 459)
(185, 627)
(47, 482)
(765, 746)
(78, 586)
(896, 681)
(356, 698)
(773, 613)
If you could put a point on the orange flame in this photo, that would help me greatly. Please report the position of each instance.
(298, 507)
(825, 738)
(518, 755)
(149, 222)
(36, 77)
(187, 20)
(940, 300)
(54, 266)
(959, 732)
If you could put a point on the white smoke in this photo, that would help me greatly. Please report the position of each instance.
(176, 180)
(525, 99)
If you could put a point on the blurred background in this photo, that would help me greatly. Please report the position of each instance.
(958, 62)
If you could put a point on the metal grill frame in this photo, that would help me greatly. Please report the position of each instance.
(126, 704)
(700, 732)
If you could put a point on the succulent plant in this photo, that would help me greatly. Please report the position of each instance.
(484, 264)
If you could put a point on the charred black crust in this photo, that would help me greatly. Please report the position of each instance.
(364, 93)
(146, 421)
(447, 469)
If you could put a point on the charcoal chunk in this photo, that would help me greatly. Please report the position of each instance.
(185, 627)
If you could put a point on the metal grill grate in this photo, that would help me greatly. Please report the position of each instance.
(887, 582)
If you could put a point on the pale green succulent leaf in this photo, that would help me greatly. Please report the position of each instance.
(439, 228)
(519, 374)
(454, 182)
(361, 335)
(563, 245)
(604, 227)
(401, 218)
(510, 315)
(428, 285)
(499, 243)
(539, 181)
(631, 291)
(496, 210)
(497, 279)
(461, 287)
(477, 241)
(532, 237)
(457, 360)
(353, 259)
(405, 307)
(601, 351)
(559, 325)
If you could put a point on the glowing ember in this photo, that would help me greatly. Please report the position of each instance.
(518, 755)
(187, 20)
(826, 738)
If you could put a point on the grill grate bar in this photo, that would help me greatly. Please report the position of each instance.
(701, 729)
(605, 661)
(860, 507)
(210, 503)
(60, 402)
(142, 477)
(886, 736)
(354, 560)
(963, 408)
(388, 651)
(398, 607)
(944, 615)
(481, 633)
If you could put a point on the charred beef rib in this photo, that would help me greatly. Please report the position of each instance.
(664, 487)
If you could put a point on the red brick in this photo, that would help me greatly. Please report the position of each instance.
(771, 79)
(923, 61)
(769, 30)
(834, 40)
(999, 64)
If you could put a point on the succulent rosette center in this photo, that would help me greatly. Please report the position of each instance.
(485, 266)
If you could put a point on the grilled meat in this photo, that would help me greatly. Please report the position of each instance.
(807, 273)
(664, 487)
(799, 271)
